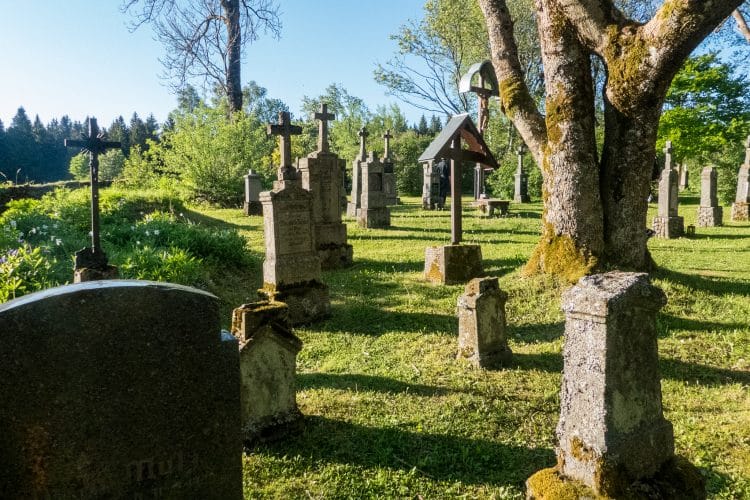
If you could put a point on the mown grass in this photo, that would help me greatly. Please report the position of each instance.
(390, 413)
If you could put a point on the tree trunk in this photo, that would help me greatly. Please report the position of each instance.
(234, 50)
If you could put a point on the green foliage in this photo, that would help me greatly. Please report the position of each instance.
(407, 147)
(501, 182)
(23, 270)
(111, 164)
(79, 166)
(171, 265)
(210, 153)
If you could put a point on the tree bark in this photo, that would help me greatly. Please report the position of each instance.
(595, 209)
(234, 52)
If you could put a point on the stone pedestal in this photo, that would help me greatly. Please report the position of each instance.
(95, 274)
(481, 324)
(321, 175)
(268, 359)
(431, 187)
(452, 264)
(389, 184)
(291, 269)
(612, 434)
(709, 216)
(521, 187)
(373, 212)
(668, 227)
(740, 211)
(684, 178)
(253, 187)
(352, 208)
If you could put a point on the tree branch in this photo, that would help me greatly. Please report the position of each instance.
(741, 24)
(591, 18)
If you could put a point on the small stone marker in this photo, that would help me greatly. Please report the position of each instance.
(684, 177)
(91, 262)
(389, 176)
(322, 175)
(741, 205)
(291, 269)
(373, 211)
(612, 432)
(352, 209)
(481, 324)
(709, 211)
(431, 199)
(268, 360)
(118, 389)
(521, 185)
(668, 223)
(253, 187)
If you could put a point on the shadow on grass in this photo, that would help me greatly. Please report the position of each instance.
(438, 457)
(667, 322)
(705, 375)
(546, 362)
(538, 332)
(501, 266)
(409, 266)
(719, 286)
(357, 382)
(360, 319)
(699, 236)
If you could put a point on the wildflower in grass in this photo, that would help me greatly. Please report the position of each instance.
(58, 241)
(13, 224)
(156, 232)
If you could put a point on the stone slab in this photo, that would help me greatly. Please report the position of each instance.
(118, 389)
(482, 338)
(452, 264)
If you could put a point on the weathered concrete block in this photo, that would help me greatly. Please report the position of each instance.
(709, 216)
(308, 302)
(740, 211)
(268, 357)
(482, 335)
(452, 264)
(668, 227)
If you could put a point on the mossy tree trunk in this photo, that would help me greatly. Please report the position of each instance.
(595, 208)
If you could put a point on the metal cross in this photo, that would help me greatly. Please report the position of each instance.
(387, 136)
(668, 155)
(323, 116)
(363, 133)
(94, 145)
(285, 130)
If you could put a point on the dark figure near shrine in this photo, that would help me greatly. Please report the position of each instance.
(444, 172)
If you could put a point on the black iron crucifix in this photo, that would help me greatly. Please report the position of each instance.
(93, 144)
(323, 116)
(285, 130)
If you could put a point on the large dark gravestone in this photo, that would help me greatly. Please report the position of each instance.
(118, 389)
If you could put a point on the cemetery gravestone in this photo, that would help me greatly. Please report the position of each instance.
(91, 262)
(741, 205)
(253, 187)
(118, 389)
(684, 176)
(521, 184)
(291, 269)
(373, 211)
(268, 360)
(321, 174)
(668, 223)
(709, 211)
(389, 176)
(352, 209)
(431, 186)
(612, 432)
(481, 324)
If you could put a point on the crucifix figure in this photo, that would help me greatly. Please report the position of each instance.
(93, 257)
(285, 130)
(387, 136)
(323, 116)
(363, 133)
(668, 155)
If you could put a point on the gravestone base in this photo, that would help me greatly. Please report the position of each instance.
(668, 227)
(481, 325)
(95, 274)
(393, 200)
(352, 210)
(740, 211)
(335, 256)
(252, 208)
(709, 216)
(677, 478)
(374, 218)
(308, 302)
(452, 264)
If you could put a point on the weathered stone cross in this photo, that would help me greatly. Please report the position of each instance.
(285, 130)
(668, 155)
(521, 151)
(387, 136)
(363, 133)
(747, 151)
(93, 144)
(323, 116)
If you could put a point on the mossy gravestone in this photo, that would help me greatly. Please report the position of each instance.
(481, 324)
(118, 389)
(613, 439)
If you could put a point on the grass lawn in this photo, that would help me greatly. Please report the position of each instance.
(391, 413)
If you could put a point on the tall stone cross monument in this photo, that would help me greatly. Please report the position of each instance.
(91, 262)
(284, 129)
(389, 176)
(291, 269)
(355, 203)
(322, 175)
(668, 223)
(741, 205)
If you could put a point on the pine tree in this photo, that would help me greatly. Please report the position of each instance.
(138, 131)
(119, 131)
(422, 128)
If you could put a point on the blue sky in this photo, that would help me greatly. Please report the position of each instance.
(77, 57)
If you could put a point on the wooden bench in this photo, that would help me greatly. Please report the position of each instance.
(489, 205)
